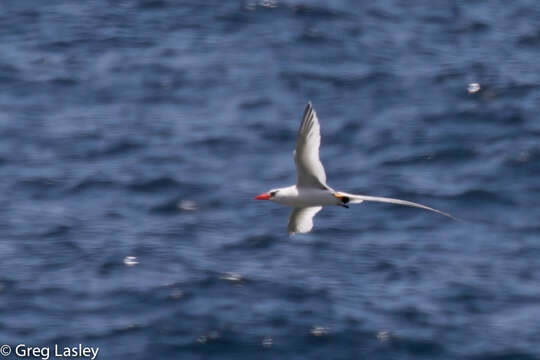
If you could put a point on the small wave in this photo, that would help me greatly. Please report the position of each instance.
(116, 148)
(317, 12)
(153, 185)
(479, 196)
(9, 73)
(40, 183)
(152, 4)
(121, 147)
(338, 80)
(471, 27)
(217, 141)
(92, 183)
(255, 103)
(58, 230)
(444, 156)
(223, 145)
(469, 296)
(253, 242)
(531, 39)
(418, 346)
(63, 81)
(508, 354)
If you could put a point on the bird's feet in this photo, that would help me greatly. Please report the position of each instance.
(344, 199)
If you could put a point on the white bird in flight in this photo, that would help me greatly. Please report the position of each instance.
(311, 192)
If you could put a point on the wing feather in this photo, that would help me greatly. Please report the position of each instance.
(301, 219)
(309, 168)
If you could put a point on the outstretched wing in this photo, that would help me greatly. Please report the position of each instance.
(309, 168)
(301, 219)
(356, 199)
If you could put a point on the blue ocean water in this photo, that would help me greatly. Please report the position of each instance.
(136, 133)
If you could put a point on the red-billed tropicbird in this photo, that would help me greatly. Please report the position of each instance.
(311, 192)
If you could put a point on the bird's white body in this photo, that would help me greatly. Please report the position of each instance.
(311, 192)
(303, 197)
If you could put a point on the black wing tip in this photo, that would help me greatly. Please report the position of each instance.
(308, 113)
(309, 109)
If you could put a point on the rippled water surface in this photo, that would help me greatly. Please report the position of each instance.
(136, 133)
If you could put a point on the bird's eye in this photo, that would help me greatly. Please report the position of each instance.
(273, 193)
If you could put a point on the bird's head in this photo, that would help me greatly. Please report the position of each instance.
(270, 195)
